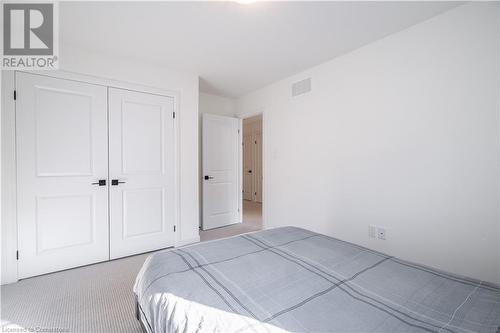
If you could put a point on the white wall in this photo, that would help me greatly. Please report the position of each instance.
(402, 133)
(115, 68)
(213, 104)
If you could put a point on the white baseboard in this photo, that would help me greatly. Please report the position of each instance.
(9, 280)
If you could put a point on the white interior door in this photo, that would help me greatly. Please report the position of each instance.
(61, 133)
(220, 155)
(248, 176)
(141, 172)
(258, 167)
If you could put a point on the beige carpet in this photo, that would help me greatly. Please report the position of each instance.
(94, 298)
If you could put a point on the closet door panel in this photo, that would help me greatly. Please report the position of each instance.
(61, 133)
(141, 161)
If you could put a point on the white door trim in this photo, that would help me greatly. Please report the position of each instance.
(9, 175)
(257, 166)
(60, 74)
(9, 226)
(240, 171)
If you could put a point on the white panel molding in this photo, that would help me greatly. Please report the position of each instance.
(39, 204)
(126, 233)
(38, 123)
(128, 171)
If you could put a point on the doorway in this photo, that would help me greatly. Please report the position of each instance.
(230, 210)
(252, 171)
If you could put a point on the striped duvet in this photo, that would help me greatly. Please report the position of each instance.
(291, 279)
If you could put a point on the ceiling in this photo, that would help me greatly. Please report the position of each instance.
(236, 48)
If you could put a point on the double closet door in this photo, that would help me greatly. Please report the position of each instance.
(95, 173)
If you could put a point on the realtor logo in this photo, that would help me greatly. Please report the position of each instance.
(29, 36)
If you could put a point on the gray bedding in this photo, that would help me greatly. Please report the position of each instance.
(300, 281)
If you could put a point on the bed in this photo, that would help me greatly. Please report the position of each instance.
(291, 279)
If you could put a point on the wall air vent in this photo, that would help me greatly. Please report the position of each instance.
(301, 87)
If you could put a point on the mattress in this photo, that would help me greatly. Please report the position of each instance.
(291, 279)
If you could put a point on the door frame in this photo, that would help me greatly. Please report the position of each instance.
(257, 112)
(9, 223)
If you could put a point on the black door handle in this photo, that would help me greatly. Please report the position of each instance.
(208, 177)
(249, 171)
(100, 182)
(115, 182)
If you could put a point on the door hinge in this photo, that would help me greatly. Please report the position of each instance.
(174, 228)
(15, 95)
(173, 114)
(17, 255)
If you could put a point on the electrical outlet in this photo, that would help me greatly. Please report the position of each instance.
(372, 231)
(381, 233)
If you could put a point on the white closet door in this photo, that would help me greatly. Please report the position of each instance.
(61, 129)
(141, 159)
